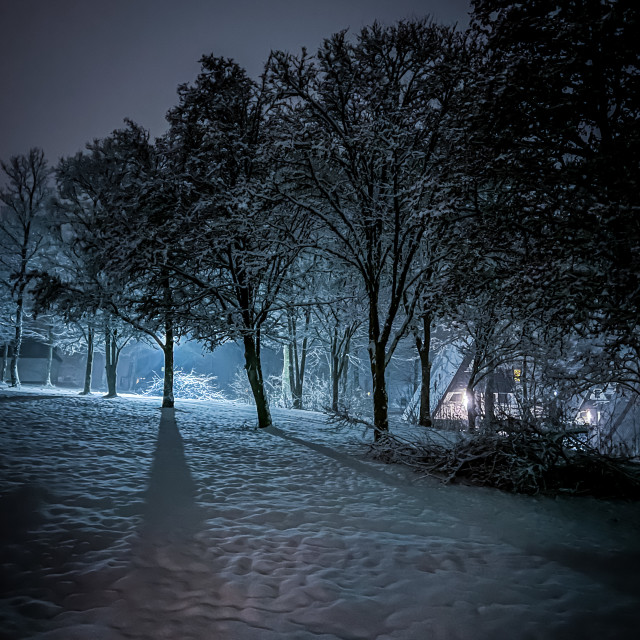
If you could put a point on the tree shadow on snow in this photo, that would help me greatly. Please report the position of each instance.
(618, 570)
(170, 506)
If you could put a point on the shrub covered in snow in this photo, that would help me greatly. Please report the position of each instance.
(188, 386)
(240, 387)
(315, 392)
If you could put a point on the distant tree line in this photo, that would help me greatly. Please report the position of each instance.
(403, 179)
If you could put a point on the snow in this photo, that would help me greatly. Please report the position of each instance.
(120, 520)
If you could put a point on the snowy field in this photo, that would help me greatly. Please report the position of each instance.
(119, 520)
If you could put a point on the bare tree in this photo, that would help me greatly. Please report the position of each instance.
(363, 151)
(22, 234)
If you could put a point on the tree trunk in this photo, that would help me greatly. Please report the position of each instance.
(335, 382)
(111, 381)
(344, 373)
(424, 345)
(47, 381)
(377, 357)
(339, 362)
(293, 360)
(472, 411)
(335, 370)
(297, 361)
(167, 391)
(303, 356)
(489, 402)
(290, 372)
(17, 344)
(89, 366)
(254, 374)
(527, 408)
(5, 357)
(470, 394)
(286, 376)
(298, 404)
(111, 361)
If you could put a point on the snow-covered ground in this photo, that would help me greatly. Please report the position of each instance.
(120, 520)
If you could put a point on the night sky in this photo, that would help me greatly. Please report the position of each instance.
(72, 70)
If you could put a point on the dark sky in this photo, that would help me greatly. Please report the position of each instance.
(72, 70)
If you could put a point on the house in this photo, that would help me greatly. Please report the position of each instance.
(612, 417)
(444, 368)
(608, 415)
(450, 373)
(504, 384)
(33, 362)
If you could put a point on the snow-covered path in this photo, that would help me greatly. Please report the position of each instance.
(119, 520)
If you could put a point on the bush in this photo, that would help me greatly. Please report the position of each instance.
(187, 386)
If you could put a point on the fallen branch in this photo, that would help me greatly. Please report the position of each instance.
(522, 460)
